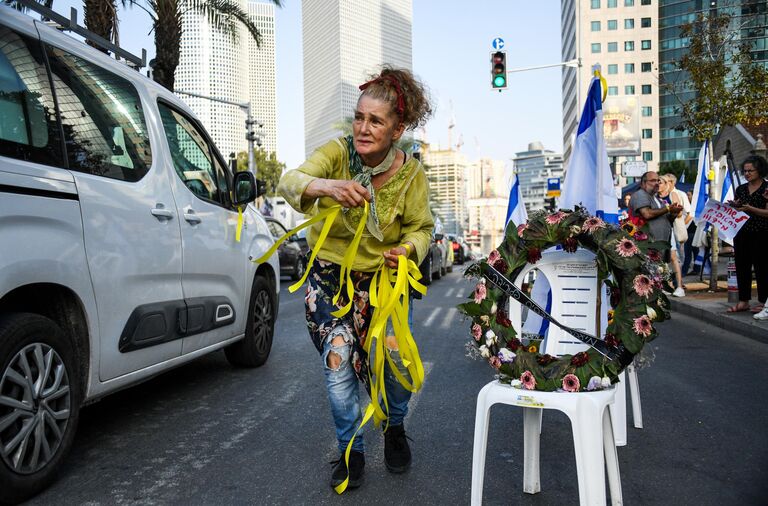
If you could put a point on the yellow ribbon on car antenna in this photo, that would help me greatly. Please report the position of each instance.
(388, 295)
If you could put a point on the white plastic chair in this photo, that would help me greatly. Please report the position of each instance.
(570, 276)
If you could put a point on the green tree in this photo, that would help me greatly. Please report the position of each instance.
(678, 168)
(268, 167)
(719, 85)
(166, 15)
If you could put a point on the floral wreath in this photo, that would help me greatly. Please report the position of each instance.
(638, 275)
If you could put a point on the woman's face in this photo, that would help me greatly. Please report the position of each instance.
(375, 128)
(750, 172)
(664, 187)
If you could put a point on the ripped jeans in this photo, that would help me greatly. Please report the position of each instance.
(340, 343)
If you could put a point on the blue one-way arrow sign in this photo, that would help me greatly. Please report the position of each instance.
(497, 43)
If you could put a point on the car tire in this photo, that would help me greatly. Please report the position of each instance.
(450, 269)
(34, 348)
(298, 271)
(427, 277)
(253, 350)
(439, 271)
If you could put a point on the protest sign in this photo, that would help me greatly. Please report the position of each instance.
(727, 219)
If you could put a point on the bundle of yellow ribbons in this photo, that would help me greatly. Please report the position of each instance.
(388, 294)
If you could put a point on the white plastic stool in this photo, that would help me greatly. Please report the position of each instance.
(592, 438)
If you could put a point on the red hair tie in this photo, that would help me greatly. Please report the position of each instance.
(400, 108)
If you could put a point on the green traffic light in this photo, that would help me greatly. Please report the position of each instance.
(499, 81)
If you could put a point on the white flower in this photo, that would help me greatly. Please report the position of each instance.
(506, 355)
(605, 382)
(494, 308)
(490, 338)
(651, 313)
(485, 352)
(595, 383)
(516, 383)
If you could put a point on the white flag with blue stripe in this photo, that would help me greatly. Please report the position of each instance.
(516, 212)
(701, 186)
(589, 180)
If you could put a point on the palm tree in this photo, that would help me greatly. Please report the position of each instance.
(100, 17)
(224, 15)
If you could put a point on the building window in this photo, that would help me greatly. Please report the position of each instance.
(613, 47)
(646, 88)
(629, 45)
(613, 90)
(596, 47)
(595, 4)
(647, 133)
(645, 2)
(629, 3)
(647, 111)
(648, 156)
(595, 26)
(612, 4)
(645, 66)
(613, 69)
(645, 22)
(613, 24)
(645, 44)
(629, 89)
(629, 68)
(629, 23)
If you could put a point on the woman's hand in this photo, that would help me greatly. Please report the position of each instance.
(347, 193)
(390, 257)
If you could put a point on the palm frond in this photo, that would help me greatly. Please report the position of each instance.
(225, 15)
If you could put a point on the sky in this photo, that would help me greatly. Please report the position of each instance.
(451, 55)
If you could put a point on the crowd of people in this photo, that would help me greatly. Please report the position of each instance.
(667, 211)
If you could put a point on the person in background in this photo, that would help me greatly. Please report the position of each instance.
(353, 170)
(624, 207)
(669, 197)
(749, 243)
(689, 251)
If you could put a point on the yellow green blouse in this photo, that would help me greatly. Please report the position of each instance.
(402, 204)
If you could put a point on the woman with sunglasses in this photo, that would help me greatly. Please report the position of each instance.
(749, 244)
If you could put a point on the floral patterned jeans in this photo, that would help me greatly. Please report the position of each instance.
(342, 381)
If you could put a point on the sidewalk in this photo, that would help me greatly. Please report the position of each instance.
(712, 307)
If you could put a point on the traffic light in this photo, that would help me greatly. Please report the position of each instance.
(499, 70)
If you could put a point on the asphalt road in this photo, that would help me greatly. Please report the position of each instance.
(207, 433)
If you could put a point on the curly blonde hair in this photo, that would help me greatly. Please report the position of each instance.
(391, 84)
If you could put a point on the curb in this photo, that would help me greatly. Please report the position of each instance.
(755, 332)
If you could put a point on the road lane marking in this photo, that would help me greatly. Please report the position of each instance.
(431, 317)
(449, 293)
(449, 318)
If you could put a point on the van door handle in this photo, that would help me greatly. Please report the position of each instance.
(161, 213)
(191, 217)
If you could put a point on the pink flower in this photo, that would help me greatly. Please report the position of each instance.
(534, 255)
(654, 255)
(495, 362)
(642, 326)
(555, 218)
(479, 293)
(641, 236)
(477, 331)
(592, 224)
(571, 383)
(493, 256)
(626, 248)
(643, 285)
(521, 229)
(528, 381)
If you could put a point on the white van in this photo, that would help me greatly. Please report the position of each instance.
(118, 255)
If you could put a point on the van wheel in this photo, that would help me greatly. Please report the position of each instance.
(427, 278)
(39, 403)
(439, 271)
(298, 271)
(253, 350)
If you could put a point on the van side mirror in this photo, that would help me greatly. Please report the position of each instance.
(244, 185)
(261, 187)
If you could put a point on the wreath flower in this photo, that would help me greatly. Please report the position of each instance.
(635, 274)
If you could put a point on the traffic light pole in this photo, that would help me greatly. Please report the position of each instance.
(251, 136)
(576, 62)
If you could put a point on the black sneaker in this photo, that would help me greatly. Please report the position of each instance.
(356, 469)
(397, 454)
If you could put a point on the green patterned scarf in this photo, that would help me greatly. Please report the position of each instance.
(363, 175)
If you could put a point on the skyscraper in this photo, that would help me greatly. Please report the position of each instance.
(211, 64)
(445, 170)
(622, 36)
(344, 42)
(679, 145)
(533, 168)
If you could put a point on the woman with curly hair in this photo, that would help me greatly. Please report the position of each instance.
(364, 167)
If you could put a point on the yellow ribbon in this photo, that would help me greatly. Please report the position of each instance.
(239, 229)
(345, 274)
(603, 83)
(330, 214)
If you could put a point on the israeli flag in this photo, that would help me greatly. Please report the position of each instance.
(516, 212)
(701, 186)
(589, 180)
